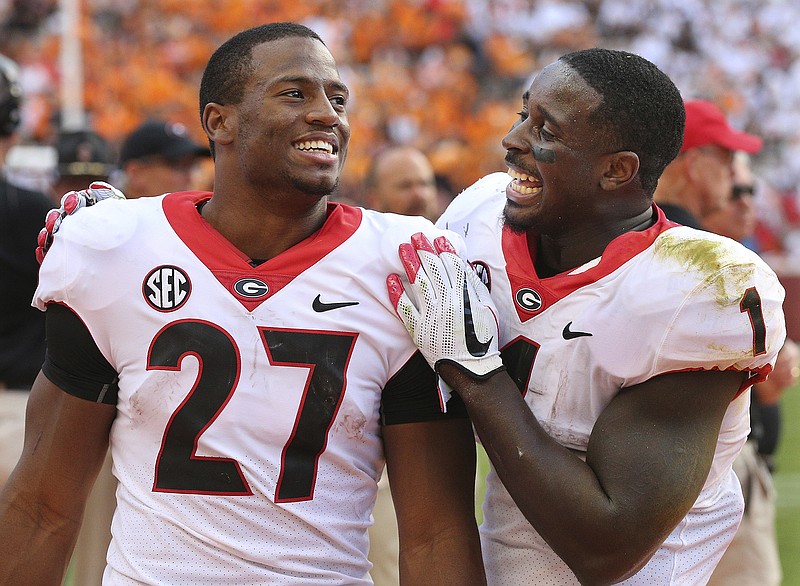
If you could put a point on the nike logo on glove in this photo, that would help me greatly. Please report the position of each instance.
(320, 306)
(474, 346)
(569, 334)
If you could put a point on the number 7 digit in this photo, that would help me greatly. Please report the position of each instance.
(327, 355)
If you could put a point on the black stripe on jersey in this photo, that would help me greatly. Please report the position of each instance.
(410, 396)
(74, 362)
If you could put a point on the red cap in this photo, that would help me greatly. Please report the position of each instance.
(706, 124)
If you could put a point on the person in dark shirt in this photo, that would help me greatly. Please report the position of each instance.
(21, 214)
(22, 337)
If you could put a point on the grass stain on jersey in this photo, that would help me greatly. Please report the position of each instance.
(719, 262)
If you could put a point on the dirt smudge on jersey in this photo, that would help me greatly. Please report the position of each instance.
(351, 422)
(717, 261)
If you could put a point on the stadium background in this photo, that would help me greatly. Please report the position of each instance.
(445, 76)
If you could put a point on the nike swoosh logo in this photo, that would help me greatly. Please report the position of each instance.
(569, 334)
(474, 346)
(320, 306)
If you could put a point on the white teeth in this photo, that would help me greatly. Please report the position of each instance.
(517, 185)
(520, 176)
(315, 145)
(524, 189)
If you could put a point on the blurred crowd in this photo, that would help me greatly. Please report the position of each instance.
(438, 75)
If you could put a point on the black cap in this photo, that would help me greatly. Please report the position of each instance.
(159, 138)
(83, 152)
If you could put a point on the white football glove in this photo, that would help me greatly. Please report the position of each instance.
(446, 309)
(71, 202)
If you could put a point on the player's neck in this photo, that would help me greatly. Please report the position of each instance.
(261, 234)
(557, 254)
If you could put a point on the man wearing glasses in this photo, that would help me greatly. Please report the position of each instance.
(699, 181)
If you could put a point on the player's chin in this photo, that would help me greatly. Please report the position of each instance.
(319, 186)
(518, 218)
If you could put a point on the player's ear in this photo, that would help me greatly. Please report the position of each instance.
(219, 122)
(620, 169)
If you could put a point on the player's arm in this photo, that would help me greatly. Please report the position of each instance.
(648, 457)
(431, 468)
(42, 503)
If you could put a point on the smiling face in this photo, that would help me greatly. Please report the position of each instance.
(292, 128)
(554, 154)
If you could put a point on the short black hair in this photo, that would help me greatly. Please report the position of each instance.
(641, 109)
(231, 65)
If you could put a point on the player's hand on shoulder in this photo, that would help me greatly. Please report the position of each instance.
(71, 202)
(445, 307)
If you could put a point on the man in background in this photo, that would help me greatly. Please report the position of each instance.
(21, 212)
(401, 180)
(83, 157)
(698, 182)
(22, 337)
(753, 555)
(738, 218)
(158, 157)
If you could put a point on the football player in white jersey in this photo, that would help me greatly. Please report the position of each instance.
(239, 351)
(630, 343)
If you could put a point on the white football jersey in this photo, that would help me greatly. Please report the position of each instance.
(247, 439)
(667, 299)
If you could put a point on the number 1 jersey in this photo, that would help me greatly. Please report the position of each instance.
(667, 299)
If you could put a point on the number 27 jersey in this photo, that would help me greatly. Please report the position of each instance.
(247, 438)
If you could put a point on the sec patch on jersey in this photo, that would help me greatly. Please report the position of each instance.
(166, 288)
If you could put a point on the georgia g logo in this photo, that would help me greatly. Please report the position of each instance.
(528, 299)
(166, 288)
(251, 288)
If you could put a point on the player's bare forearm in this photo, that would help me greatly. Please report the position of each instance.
(451, 559)
(42, 503)
(431, 470)
(647, 460)
(35, 543)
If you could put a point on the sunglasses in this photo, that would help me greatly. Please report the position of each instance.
(739, 191)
